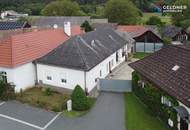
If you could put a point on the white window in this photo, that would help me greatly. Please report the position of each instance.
(49, 78)
(166, 101)
(63, 78)
(63, 81)
(100, 73)
(48, 75)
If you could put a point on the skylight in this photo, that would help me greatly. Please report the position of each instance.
(175, 68)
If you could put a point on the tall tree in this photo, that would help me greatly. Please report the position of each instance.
(181, 17)
(62, 8)
(122, 12)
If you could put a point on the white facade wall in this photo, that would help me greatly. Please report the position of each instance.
(73, 77)
(23, 76)
(94, 73)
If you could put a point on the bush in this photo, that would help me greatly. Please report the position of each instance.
(167, 40)
(48, 92)
(154, 20)
(2, 88)
(79, 100)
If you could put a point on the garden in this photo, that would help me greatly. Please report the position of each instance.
(47, 98)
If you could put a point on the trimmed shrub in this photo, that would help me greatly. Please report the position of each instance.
(80, 101)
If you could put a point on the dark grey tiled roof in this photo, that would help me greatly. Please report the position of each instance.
(104, 25)
(171, 31)
(85, 51)
(49, 21)
(13, 25)
(157, 68)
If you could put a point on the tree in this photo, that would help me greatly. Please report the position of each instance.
(79, 100)
(178, 17)
(154, 20)
(122, 12)
(87, 27)
(167, 40)
(62, 8)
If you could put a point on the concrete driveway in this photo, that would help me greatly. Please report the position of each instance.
(122, 72)
(107, 114)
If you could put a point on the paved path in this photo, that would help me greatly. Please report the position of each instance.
(108, 114)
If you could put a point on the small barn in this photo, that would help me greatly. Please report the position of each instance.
(146, 40)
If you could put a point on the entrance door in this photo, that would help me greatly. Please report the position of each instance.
(183, 125)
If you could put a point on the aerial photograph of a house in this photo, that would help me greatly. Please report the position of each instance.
(95, 65)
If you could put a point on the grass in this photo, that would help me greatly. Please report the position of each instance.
(138, 116)
(165, 19)
(37, 96)
(73, 113)
(140, 55)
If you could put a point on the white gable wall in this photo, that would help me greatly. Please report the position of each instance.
(23, 76)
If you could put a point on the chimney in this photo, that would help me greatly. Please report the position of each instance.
(67, 28)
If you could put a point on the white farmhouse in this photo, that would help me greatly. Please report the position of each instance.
(82, 60)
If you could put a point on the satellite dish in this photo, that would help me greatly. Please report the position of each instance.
(55, 26)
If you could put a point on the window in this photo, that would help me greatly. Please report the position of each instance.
(63, 81)
(63, 78)
(100, 73)
(3, 76)
(166, 101)
(96, 79)
(123, 52)
(49, 78)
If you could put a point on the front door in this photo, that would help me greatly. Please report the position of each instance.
(183, 125)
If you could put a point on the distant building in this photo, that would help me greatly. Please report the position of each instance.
(12, 15)
(146, 39)
(177, 34)
(50, 21)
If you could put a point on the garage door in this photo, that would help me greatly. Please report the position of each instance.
(112, 85)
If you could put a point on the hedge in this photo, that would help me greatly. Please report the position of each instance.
(151, 95)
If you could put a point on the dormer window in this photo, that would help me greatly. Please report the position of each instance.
(175, 68)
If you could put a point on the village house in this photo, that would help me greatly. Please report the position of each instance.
(177, 34)
(82, 60)
(162, 81)
(146, 39)
(18, 51)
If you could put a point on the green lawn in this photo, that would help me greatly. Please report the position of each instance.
(138, 117)
(165, 19)
(140, 55)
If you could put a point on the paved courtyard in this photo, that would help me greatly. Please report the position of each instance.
(107, 114)
(122, 72)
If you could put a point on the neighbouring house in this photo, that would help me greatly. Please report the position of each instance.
(146, 40)
(7, 25)
(51, 21)
(162, 81)
(82, 60)
(12, 15)
(18, 51)
(177, 34)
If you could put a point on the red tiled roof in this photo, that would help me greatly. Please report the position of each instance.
(131, 28)
(23, 48)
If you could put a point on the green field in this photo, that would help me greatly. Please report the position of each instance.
(165, 19)
(138, 117)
